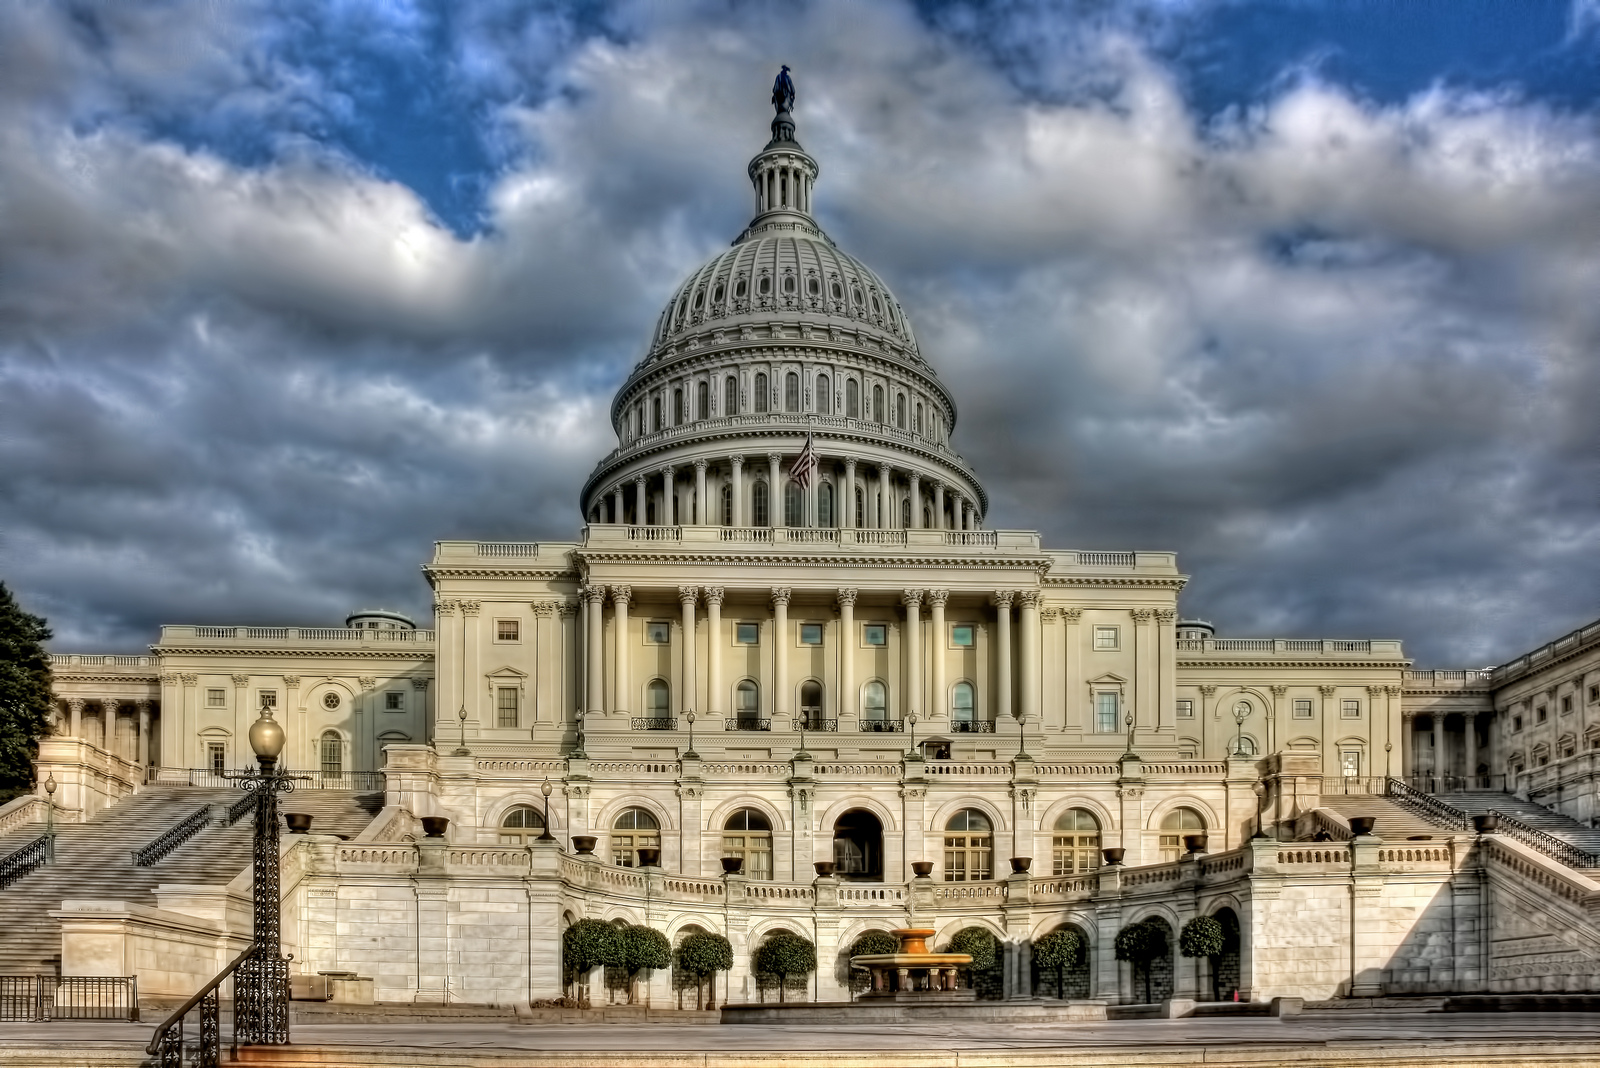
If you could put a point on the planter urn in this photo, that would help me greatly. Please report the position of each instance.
(1114, 855)
(732, 865)
(434, 826)
(1194, 843)
(922, 868)
(584, 844)
(1020, 865)
(298, 822)
(824, 868)
(649, 857)
(1486, 822)
(1361, 826)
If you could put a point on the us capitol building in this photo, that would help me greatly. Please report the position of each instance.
(788, 633)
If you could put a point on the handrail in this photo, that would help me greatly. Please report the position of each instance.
(25, 858)
(1548, 844)
(173, 837)
(167, 1043)
(1427, 806)
(247, 803)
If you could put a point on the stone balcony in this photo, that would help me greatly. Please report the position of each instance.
(1202, 649)
(1448, 679)
(186, 637)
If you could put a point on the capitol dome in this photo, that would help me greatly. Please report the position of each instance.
(782, 340)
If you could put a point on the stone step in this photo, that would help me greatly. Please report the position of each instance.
(1569, 830)
(1394, 822)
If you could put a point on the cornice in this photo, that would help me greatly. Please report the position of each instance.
(1296, 663)
(1409, 691)
(835, 560)
(418, 651)
(479, 571)
(71, 676)
(1173, 582)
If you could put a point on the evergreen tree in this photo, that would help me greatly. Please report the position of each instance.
(25, 698)
(1203, 937)
(703, 954)
(1060, 949)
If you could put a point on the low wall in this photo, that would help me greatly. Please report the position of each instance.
(172, 954)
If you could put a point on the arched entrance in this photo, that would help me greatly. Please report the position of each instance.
(1162, 979)
(1227, 962)
(858, 846)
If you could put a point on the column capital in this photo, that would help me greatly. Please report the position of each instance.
(446, 608)
(1375, 691)
(774, 458)
(713, 596)
(594, 594)
(544, 608)
(846, 597)
(110, 705)
(1003, 598)
(188, 678)
(1208, 690)
(76, 704)
(241, 681)
(169, 678)
(915, 477)
(291, 680)
(471, 608)
(1166, 616)
(1408, 714)
(142, 705)
(367, 682)
(1396, 691)
(666, 470)
(688, 595)
(780, 596)
(640, 480)
(1071, 615)
(621, 595)
(1049, 615)
(1140, 615)
(1278, 691)
(1028, 598)
(736, 461)
(937, 598)
(567, 609)
(850, 464)
(1327, 691)
(911, 598)
(420, 684)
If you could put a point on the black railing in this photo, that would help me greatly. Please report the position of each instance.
(818, 724)
(19, 862)
(32, 998)
(1427, 806)
(321, 779)
(167, 1044)
(655, 723)
(972, 726)
(173, 837)
(1548, 844)
(883, 726)
(743, 724)
(1430, 783)
(240, 808)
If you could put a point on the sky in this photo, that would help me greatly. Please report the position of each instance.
(1306, 291)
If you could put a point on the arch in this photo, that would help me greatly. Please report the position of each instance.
(1225, 968)
(1176, 823)
(1106, 817)
(679, 416)
(829, 816)
(747, 700)
(331, 752)
(813, 703)
(657, 698)
(655, 415)
(760, 392)
(603, 821)
(1161, 978)
(900, 411)
(858, 846)
(730, 395)
(905, 513)
(794, 505)
(968, 846)
(725, 810)
(1071, 982)
(633, 829)
(1075, 842)
(1159, 811)
(747, 834)
(702, 408)
(918, 425)
(875, 701)
(963, 705)
(877, 404)
(519, 825)
(495, 812)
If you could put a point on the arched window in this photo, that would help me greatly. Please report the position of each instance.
(794, 505)
(825, 505)
(730, 396)
(877, 404)
(678, 418)
(740, 288)
(634, 829)
(927, 516)
(811, 705)
(791, 392)
(852, 398)
(860, 509)
(655, 415)
(1176, 824)
(747, 702)
(968, 847)
(1075, 847)
(727, 505)
(875, 703)
(900, 411)
(905, 513)
(521, 825)
(824, 396)
(332, 749)
(919, 417)
(702, 401)
(638, 412)
(747, 834)
(963, 710)
(758, 505)
(761, 393)
(657, 699)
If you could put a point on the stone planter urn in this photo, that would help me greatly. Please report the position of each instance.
(732, 865)
(824, 868)
(1020, 865)
(1362, 825)
(584, 844)
(649, 857)
(299, 822)
(1194, 843)
(922, 868)
(1114, 855)
(433, 826)
(1484, 822)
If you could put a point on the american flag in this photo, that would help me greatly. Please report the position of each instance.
(805, 468)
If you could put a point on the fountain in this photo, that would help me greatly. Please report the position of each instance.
(912, 973)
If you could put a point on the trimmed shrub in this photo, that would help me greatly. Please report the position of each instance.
(1059, 950)
(1141, 945)
(782, 955)
(983, 974)
(587, 945)
(643, 948)
(1203, 936)
(702, 955)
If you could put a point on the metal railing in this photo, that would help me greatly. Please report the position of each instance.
(29, 857)
(972, 726)
(1548, 844)
(167, 1043)
(1452, 784)
(34, 998)
(1427, 806)
(743, 724)
(241, 807)
(655, 723)
(213, 778)
(883, 726)
(818, 724)
(147, 855)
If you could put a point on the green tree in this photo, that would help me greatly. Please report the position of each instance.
(703, 955)
(587, 945)
(869, 942)
(782, 955)
(1141, 945)
(1203, 936)
(642, 948)
(1060, 949)
(25, 698)
(979, 944)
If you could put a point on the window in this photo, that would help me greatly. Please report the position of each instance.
(1541, 714)
(918, 426)
(521, 825)
(330, 700)
(747, 702)
(1178, 822)
(877, 404)
(1350, 762)
(656, 699)
(968, 847)
(900, 411)
(269, 698)
(1566, 704)
(875, 634)
(678, 414)
(794, 505)
(217, 757)
(730, 396)
(1568, 747)
(1075, 846)
(811, 705)
(825, 505)
(905, 513)
(791, 392)
(658, 632)
(702, 397)
(1594, 693)
(1302, 708)
(332, 750)
(1516, 724)
(963, 704)
(394, 701)
(1349, 708)
(748, 835)
(811, 634)
(747, 633)
(655, 415)
(963, 635)
(1185, 708)
(824, 396)
(852, 399)
(507, 630)
(505, 706)
(634, 829)
(875, 702)
(1105, 713)
(740, 288)
(1106, 638)
(761, 393)
(758, 505)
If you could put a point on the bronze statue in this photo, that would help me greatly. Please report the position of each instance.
(783, 91)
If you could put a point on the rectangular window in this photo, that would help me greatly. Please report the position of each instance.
(1516, 724)
(1350, 708)
(217, 698)
(1542, 713)
(217, 755)
(1350, 762)
(747, 633)
(874, 634)
(1594, 693)
(1302, 708)
(963, 635)
(657, 632)
(507, 630)
(811, 634)
(1185, 708)
(394, 701)
(1105, 713)
(506, 706)
(1105, 637)
(1566, 704)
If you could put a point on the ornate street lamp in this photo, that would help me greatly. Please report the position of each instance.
(545, 789)
(50, 815)
(261, 983)
(690, 752)
(1241, 712)
(1259, 788)
(1388, 747)
(462, 750)
(911, 718)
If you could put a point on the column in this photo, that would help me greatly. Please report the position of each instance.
(846, 703)
(75, 705)
(1438, 747)
(912, 599)
(444, 636)
(713, 595)
(1408, 755)
(243, 714)
(687, 595)
(885, 515)
(916, 501)
(1469, 723)
(616, 503)
(938, 707)
(775, 510)
(471, 675)
(142, 756)
(622, 685)
(1002, 667)
(1144, 676)
(810, 519)
(938, 504)
(780, 655)
(594, 598)
(639, 505)
(668, 516)
(848, 517)
(1028, 662)
(737, 462)
(701, 508)
(1074, 685)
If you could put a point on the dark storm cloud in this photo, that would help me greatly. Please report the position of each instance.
(1339, 354)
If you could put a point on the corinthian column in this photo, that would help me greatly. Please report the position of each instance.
(1028, 662)
(687, 595)
(912, 599)
(75, 706)
(594, 598)
(1002, 675)
(916, 500)
(640, 509)
(737, 463)
(937, 708)
(622, 685)
(847, 649)
(713, 595)
(780, 655)
(701, 508)
(938, 504)
(849, 502)
(885, 519)
(775, 494)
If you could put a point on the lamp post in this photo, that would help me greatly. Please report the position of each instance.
(1128, 719)
(545, 789)
(911, 718)
(50, 816)
(1241, 712)
(1259, 788)
(690, 752)
(462, 750)
(1388, 747)
(261, 983)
